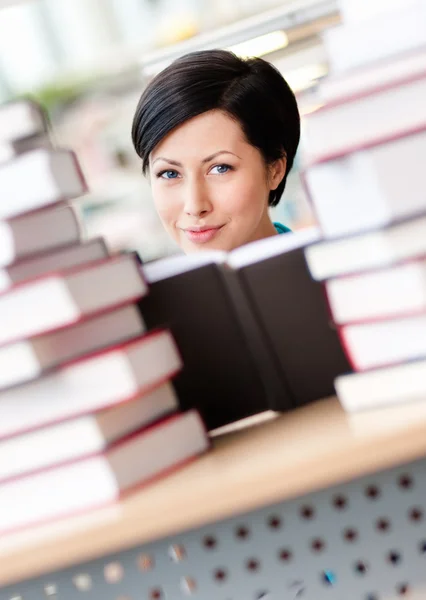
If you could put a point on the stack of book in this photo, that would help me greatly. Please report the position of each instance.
(87, 407)
(23, 126)
(364, 171)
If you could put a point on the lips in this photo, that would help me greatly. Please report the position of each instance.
(201, 235)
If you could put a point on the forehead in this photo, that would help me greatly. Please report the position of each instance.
(202, 135)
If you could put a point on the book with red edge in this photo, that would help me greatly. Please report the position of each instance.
(60, 259)
(41, 231)
(376, 388)
(96, 381)
(24, 126)
(99, 480)
(22, 119)
(59, 299)
(364, 251)
(31, 357)
(339, 87)
(365, 119)
(386, 342)
(361, 189)
(83, 436)
(384, 36)
(11, 149)
(399, 290)
(55, 175)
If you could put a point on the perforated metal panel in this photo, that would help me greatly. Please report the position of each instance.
(364, 540)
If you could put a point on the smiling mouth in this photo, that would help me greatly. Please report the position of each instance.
(201, 235)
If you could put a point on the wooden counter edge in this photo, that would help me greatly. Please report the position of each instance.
(321, 449)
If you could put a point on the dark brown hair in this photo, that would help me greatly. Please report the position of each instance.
(251, 91)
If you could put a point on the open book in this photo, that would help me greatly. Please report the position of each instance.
(252, 327)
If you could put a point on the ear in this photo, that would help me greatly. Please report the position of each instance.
(277, 170)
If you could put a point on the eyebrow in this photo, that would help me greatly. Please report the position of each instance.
(205, 160)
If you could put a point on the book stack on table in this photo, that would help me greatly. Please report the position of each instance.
(87, 407)
(364, 172)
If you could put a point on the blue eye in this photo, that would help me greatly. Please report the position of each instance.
(222, 169)
(168, 174)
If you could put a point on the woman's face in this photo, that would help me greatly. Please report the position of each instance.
(210, 186)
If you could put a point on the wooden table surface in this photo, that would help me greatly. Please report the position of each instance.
(293, 454)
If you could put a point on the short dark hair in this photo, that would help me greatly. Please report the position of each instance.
(252, 91)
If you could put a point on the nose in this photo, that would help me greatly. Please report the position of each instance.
(197, 202)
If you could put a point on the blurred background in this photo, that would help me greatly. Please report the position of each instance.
(88, 61)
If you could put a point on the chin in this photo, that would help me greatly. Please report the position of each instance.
(193, 248)
(189, 248)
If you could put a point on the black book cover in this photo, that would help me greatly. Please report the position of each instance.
(226, 373)
(274, 380)
(292, 309)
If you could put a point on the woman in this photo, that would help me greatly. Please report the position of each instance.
(217, 135)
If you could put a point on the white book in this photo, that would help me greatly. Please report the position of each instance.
(381, 343)
(395, 291)
(361, 10)
(97, 381)
(378, 388)
(384, 35)
(102, 479)
(83, 436)
(10, 150)
(365, 251)
(21, 119)
(342, 86)
(60, 259)
(28, 359)
(39, 178)
(7, 151)
(37, 232)
(56, 300)
(369, 188)
(365, 120)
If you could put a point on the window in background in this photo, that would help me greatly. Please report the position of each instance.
(26, 59)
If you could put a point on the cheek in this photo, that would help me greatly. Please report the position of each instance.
(165, 203)
(246, 197)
